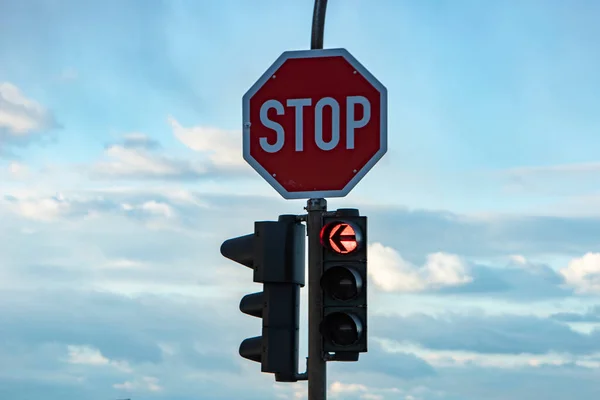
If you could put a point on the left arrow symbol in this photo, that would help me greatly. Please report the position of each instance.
(338, 238)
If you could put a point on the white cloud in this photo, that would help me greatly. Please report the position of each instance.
(151, 383)
(123, 263)
(17, 170)
(583, 273)
(151, 207)
(125, 385)
(82, 251)
(458, 359)
(41, 209)
(159, 213)
(137, 156)
(391, 272)
(147, 383)
(90, 356)
(341, 390)
(518, 259)
(184, 196)
(371, 396)
(156, 208)
(86, 355)
(138, 163)
(224, 147)
(19, 115)
(339, 387)
(445, 270)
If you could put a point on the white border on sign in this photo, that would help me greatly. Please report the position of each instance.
(266, 76)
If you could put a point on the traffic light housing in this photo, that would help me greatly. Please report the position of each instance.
(344, 284)
(275, 251)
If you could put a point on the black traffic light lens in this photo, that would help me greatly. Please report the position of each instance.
(341, 283)
(342, 329)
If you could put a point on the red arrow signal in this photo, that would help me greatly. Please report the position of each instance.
(341, 237)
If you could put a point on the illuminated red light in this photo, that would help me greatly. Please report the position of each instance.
(340, 237)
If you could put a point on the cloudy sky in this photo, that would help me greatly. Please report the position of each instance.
(121, 173)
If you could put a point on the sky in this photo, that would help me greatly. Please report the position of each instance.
(121, 173)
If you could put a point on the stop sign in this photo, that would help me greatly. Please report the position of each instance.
(315, 123)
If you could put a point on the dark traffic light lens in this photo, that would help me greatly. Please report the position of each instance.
(341, 328)
(341, 283)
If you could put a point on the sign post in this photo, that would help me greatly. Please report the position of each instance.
(314, 124)
(316, 367)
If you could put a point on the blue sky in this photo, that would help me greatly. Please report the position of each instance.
(121, 173)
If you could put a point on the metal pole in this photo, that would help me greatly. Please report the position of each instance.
(318, 24)
(316, 366)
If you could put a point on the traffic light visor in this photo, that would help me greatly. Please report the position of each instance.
(251, 349)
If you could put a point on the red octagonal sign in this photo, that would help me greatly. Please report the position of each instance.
(315, 123)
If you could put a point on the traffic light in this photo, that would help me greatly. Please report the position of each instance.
(344, 284)
(275, 251)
